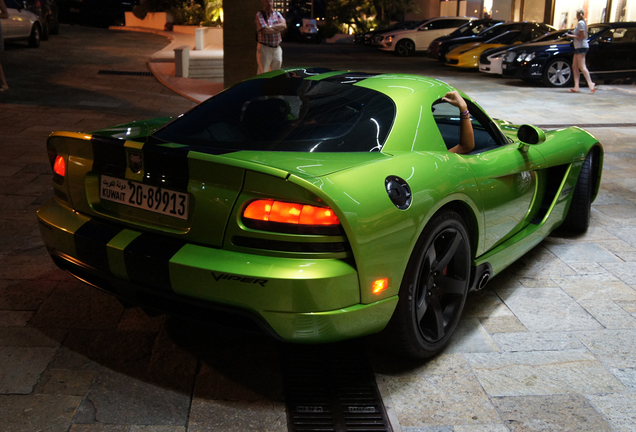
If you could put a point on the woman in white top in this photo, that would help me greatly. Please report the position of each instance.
(579, 36)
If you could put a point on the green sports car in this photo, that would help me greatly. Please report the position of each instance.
(316, 205)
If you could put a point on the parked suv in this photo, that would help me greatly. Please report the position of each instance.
(21, 24)
(406, 42)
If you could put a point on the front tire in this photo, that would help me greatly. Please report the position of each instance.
(579, 214)
(34, 39)
(558, 73)
(405, 48)
(434, 289)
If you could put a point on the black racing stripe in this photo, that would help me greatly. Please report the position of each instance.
(306, 72)
(90, 243)
(166, 166)
(146, 260)
(109, 156)
(350, 77)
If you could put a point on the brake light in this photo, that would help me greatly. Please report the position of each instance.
(59, 166)
(290, 213)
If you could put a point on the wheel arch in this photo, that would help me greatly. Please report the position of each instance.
(597, 168)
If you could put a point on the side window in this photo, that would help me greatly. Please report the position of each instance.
(487, 135)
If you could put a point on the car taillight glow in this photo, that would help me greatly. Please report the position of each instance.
(290, 213)
(59, 166)
(379, 285)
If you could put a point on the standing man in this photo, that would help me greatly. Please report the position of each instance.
(269, 25)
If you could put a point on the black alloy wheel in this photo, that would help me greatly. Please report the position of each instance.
(434, 289)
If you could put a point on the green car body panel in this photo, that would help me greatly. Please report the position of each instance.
(511, 197)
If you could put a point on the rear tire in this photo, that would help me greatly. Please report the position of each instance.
(434, 289)
(579, 214)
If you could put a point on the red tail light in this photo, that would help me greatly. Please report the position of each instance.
(59, 166)
(290, 213)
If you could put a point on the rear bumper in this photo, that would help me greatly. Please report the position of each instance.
(297, 300)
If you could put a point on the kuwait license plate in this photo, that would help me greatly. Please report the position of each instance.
(152, 198)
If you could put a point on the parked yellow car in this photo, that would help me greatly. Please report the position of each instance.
(467, 55)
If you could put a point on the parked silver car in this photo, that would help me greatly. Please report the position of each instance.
(21, 24)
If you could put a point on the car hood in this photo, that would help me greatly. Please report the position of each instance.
(541, 46)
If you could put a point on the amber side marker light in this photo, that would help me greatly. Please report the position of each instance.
(59, 166)
(379, 285)
(290, 213)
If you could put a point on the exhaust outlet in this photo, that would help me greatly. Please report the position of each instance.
(483, 280)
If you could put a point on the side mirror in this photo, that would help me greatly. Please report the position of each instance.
(528, 134)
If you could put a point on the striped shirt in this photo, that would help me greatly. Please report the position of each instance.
(270, 39)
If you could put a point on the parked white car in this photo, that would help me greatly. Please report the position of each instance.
(407, 42)
(21, 24)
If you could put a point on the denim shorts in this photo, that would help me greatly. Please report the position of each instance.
(580, 50)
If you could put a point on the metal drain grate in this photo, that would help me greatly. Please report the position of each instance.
(130, 73)
(332, 389)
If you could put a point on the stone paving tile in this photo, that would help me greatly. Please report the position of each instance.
(547, 309)
(618, 409)
(221, 415)
(492, 427)
(627, 376)
(566, 413)
(471, 337)
(439, 400)
(65, 382)
(582, 252)
(21, 367)
(615, 348)
(9, 318)
(502, 324)
(609, 314)
(37, 412)
(116, 398)
(542, 373)
(553, 341)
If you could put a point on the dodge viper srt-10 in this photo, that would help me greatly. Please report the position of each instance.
(315, 205)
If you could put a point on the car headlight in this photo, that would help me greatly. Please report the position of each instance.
(389, 38)
(509, 57)
(523, 57)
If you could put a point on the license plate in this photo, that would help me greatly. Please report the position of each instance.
(139, 195)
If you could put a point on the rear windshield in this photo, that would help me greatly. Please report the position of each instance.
(286, 114)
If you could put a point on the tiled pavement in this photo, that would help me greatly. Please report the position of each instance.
(550, 345)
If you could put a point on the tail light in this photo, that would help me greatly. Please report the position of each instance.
(280, 216)
(58, 164)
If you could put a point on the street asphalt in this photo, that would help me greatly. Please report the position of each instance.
(549, 345)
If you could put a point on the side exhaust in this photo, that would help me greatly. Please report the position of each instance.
(480, 276)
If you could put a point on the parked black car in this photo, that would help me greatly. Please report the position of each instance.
(470, 28)
(47, 11)
(612, 54)
(367, 37)
(99, 13)
(526, 27)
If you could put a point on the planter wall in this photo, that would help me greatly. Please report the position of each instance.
(153, 20)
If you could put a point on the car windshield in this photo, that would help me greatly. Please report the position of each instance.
(471, 28)
(594, 30)
(504, 38)
(286, 114)
(493, 31)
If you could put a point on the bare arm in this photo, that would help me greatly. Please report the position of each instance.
(466, 134)
(276, 28)
(4, 13)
